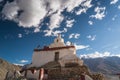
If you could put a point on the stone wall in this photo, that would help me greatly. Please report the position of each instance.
(72, 73)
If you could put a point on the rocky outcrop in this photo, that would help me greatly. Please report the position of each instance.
(54, 70)
(70, 71)
(5, 67)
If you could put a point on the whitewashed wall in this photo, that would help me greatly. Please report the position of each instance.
(42, 57)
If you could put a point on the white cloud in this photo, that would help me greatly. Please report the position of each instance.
(10, 10)
(113, 1)
(18, 64)
(74, 35)
(92, 38)
(69, 23)
(23, 61)
(20, 35)
(90, 22)
(48, 32)
(79, 47)
(100, 13)
(36, 30)
(70, 5)
(54, 33)
(33, 12)
(68, 43)
(71, 36)
(86, 5)
(98, 55)
(80, 11)
(55, 20)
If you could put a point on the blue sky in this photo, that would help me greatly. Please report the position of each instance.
(92, 25)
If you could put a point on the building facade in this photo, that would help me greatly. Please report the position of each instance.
(55, 52)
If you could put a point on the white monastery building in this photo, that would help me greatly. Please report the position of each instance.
(57, 51)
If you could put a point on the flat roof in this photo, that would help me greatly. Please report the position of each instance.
(54, 48)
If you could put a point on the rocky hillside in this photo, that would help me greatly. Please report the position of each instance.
(5, 66)
(108, 65)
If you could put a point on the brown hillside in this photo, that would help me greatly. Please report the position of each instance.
(5, 67)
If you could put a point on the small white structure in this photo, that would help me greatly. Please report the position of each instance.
(56, 51)
(53, 52)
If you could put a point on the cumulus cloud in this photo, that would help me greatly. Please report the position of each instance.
(79, 47)
(113, 1)
(20, 35)
(71, 36)
(10, 10)
(54, 33)
(55, 20)
(74, 35)
(100, 13)
(98, 55)
(32, 13)
(90, 22)
(48, 32)
(36, 30)
(69, 23)
(23, 61)
(68, 43)
(85, 6)
(80, 11)
(92, 38)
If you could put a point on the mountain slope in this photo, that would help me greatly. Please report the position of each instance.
(5, 66)
(108, 65)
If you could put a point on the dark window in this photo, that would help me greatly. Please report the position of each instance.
(56, 56)
(57, 40)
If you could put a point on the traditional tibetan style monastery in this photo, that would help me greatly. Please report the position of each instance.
(56, 62)
(57, 51)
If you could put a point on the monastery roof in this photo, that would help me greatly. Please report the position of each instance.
(54, 48)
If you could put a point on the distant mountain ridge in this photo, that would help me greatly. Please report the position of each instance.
(106, 65)
(5, 67)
